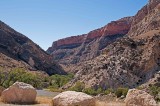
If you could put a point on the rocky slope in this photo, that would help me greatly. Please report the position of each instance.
(147, 19)
(129, 61)
(75, 49)
(16, 50)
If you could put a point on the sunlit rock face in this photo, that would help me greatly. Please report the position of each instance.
(76, 49)
(129, 61)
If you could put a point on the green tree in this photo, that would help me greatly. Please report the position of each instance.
(60, 80)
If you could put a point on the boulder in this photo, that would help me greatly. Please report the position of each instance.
(72, 98)
(139, 98)
(1, 90)
(19, 92)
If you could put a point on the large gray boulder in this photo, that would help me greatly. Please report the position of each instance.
(72, 98)
(19, 92)
(139, 98)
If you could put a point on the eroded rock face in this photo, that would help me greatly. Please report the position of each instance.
(125, 63)
(129, 61)
(19, 92)
(73, 50)
(21, 48)
(72, 98)
(146, 19)
(139, 98)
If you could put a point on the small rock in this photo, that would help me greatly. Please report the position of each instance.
(72, 98)
(19, 92)
(122, 97)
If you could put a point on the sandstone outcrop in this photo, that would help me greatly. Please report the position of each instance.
(72, 98)
(19, 92)
(139, 98)
(21, 49)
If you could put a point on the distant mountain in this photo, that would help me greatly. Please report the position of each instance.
(16, 50)
(76, 49)
(128, 61)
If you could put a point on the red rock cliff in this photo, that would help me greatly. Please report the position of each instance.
(121, 26)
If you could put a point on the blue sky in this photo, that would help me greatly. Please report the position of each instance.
(45, 21)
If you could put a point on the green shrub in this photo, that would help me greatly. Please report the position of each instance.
(155, 91)
(7, 78)
(121, 91)
(108, 91)
(90, 91)
(99, 90)
(58, 81)
(79, 86)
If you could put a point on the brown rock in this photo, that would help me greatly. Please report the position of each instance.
(139, 98)
(19, 92)
(72, 98)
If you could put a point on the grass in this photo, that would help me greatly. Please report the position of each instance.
(44, 100)
(101, 103)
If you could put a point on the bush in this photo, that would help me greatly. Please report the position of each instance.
(99, 90)
(58, 81)
(108, 91)
(90, 91)
(7, 78)
(121, 91)
(79, 86)
(155, 91)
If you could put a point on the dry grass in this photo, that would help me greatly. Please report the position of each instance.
(44, 100)
(39, 100)
(100, 103)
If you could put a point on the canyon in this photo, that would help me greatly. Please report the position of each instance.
(124, 53)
